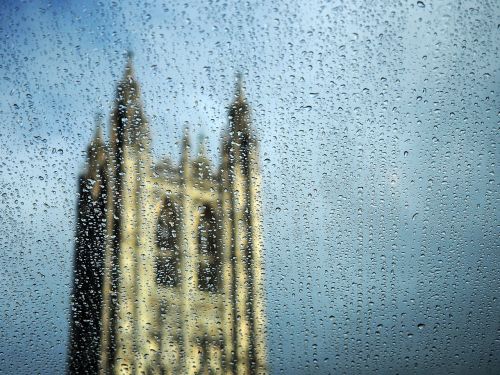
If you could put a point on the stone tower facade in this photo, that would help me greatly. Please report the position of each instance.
(168, 269)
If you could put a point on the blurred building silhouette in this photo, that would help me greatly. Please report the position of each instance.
(168, 276)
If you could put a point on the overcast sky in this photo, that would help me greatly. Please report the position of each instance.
(378, 127)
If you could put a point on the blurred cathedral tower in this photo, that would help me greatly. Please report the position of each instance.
(168, 273)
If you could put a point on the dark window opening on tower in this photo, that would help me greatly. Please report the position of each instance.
(168, 259)
(209, 267)
(245, 152)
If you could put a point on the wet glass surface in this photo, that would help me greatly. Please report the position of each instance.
(290, 188)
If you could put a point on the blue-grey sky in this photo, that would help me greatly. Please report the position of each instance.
(378, 126)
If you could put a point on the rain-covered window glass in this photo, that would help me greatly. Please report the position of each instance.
(249, 187)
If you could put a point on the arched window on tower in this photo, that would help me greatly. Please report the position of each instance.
(209, 267)
(244, 153)
(168, 259)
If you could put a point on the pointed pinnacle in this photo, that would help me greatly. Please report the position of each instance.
(129, 67)
(202, 146)
(186, 141)
(186, 135)
(98, 131)
(239, 86)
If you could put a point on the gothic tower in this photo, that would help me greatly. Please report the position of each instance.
(168, 269)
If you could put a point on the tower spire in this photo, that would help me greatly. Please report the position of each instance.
(98, 132)
(186, 146)
(240, 93)
(239, 116)
(186, 155)
(97, 143)
(202, 146)
(129, 67)
(129, 85)
(129, 122)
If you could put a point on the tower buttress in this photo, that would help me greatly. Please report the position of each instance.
(129, 168)
(244, 184)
